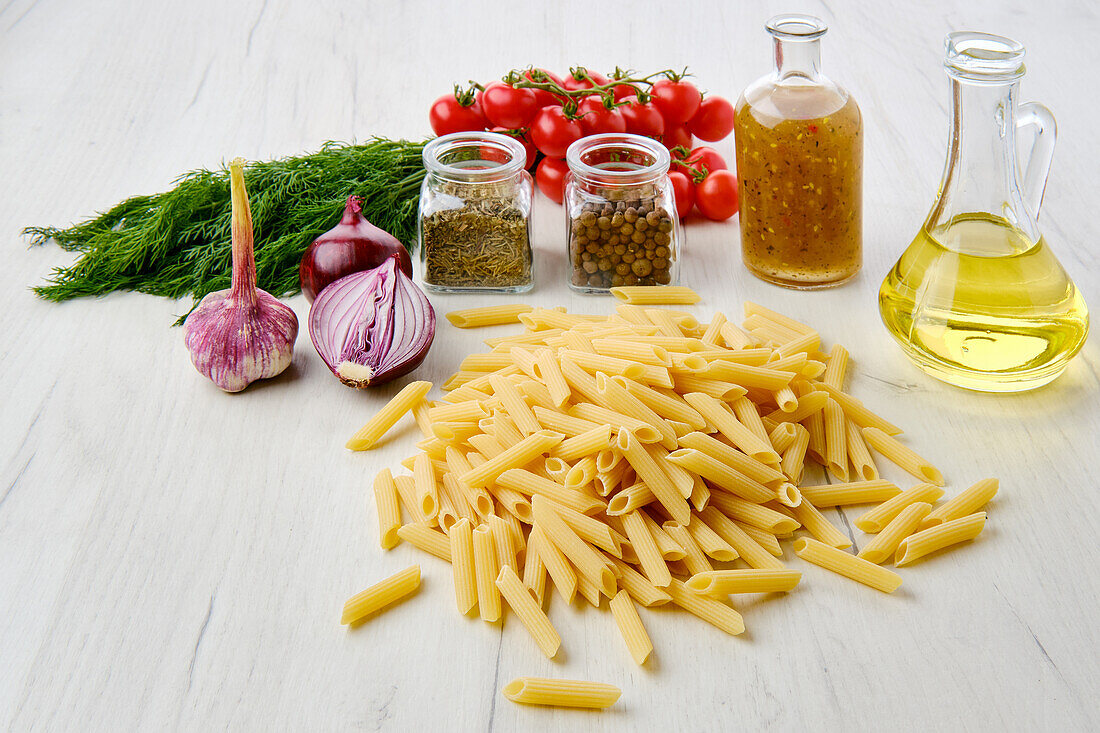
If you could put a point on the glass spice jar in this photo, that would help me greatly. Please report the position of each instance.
(621, 214)
(475, 214)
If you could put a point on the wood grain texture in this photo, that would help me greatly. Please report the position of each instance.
(175, 557)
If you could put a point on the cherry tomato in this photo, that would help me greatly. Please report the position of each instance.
(448, 115)
(684, 190)
(642, 119)
(675, 136)
(703, 157)
(677, 100)
(507, 106)
(622, 91)
(542, 97)
(523, 137)
(596, 118)
(552, 132)
(714, 119)
(550, 178)
(716, 196)
(573, 84)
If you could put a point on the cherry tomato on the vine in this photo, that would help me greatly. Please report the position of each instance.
(448, 115)
(507, 106)
(596, 118)
(552, 132)
(700, 158)
(550, 178)
(622, 91)
(543, 97)
(716, 197)
(677, 100)
(642, 119)
(524, 137)
(675, 136)
(714, 119)
(571, 83)
(684, 190)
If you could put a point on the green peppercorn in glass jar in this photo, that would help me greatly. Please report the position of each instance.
(475, 214)
(621, 213)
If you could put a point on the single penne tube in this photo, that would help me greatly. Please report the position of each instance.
(747, 548)
(632, 351)
(561, 693)
(654, 476)
(592, 363)
(534, 571)
(561, 571)
(755, 357)
(713, 387)
(966, 503)
(851, 492)
(710, 542)
(608, 458)
(751, 513)
(745, 411)
(737, 338)
(530, 338)
(633, 497)
(808, 343)
(656, 294)
(493, 315)
(902, 456)
(538, 319)
(726, 582)
(485, 444)
(458, 412)
(687, 364)
(732, 457)
(767, 540)
(836, 440)
(630, 626)
(591, 530)
(406, 491)
(576, 341)
(503, 541)
(809, 404)
(556, 469)
(793, 461)
(619, 399)
(601, 415)
(520, 454)
(855, 410)
(876, 519)
(694, 558)
(836, 367)
(649, 555)
(793, 363)
(460, 379)
(447, 514)
(782, 436)
(665, 321)
(536, 393)
(670, 549)
(747, 375)
(938, 537)
(680, 344)
(850, 566)
(581, 473)
(886, 542)
(587, 561)
(389, 513)
(524, 359)
(700, 493)
(579, 380)
(489, 361)
(465, 393)
(590, 442)
(863, 465)
(814, 522)
(720, 474)
(712, 611)
(515, 406)
(758, 322)
(528, 611)
(461, 540)
(454, 432)
(755, 309)
(423, 537)
(550, 372)
(560, 422)
(713, 334)
(457, 497)
(387, 417)
(681, 479)
(380, 595)
(427, 491)
(655, 376)
(486, 568)
(529, 484)
(785, 399)
(423, 421)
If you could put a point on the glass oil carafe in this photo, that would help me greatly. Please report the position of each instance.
(978, 299)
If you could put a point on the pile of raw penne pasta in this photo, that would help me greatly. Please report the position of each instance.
(644, 457)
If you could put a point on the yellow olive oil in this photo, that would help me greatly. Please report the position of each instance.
(977, 304)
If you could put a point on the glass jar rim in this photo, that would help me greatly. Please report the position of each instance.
(983, 57)
(576, 153)
(796, 27)
(436, 151)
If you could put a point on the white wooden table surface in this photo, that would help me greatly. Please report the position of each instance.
(174, 557)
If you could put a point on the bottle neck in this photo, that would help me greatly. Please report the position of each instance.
(797, 58)
(981, 175)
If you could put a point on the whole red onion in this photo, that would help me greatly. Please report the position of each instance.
(353, 245)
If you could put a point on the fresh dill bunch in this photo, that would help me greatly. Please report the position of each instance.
(177, 243)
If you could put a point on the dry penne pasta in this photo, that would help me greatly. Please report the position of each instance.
(389, 514)
(850, 566)
(493, 315)
(902, 456)
(694, 558)
(427, 491)
(794, 457)
(747, 548)
(819, 526)
(852, 492)
(874, 520)
(712, 611)
(586, 560)
(901, 526)
(710, 542)
(968, 502)
(836, 367)
(756, 515)
(587, 443)
(528, 611)
(427, 539)
(387, 417)
(534, 571)
(655, 294)
(380, 595)
(938, 537)
(649, 556)
(726, 582)
(561, 693)
(855, 410)
(519, 454)
(486, 569)
(461, 540)
(720, 474)
(654, 477)
(836, 440)
(862, 464)
(630, 626)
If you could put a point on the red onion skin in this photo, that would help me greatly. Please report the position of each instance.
(353, 245)
(371, 327)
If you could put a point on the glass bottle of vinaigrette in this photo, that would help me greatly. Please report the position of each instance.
(799, 146)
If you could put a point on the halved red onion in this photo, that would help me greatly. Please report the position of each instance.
(373, 326)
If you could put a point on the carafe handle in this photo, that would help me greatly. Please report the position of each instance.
(1037, 169)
